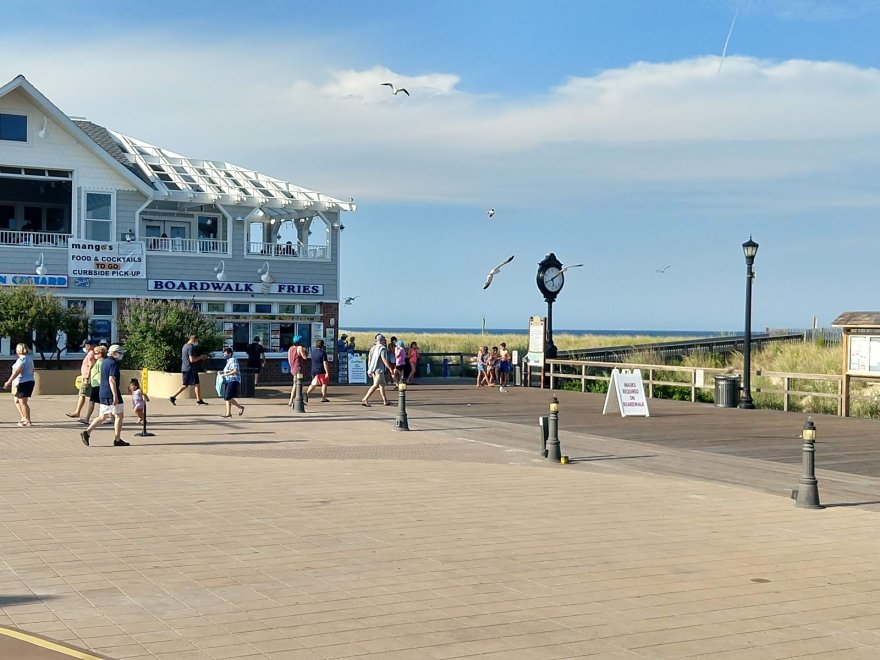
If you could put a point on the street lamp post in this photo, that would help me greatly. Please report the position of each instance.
(750, 249)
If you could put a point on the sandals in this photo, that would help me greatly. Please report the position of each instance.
(365, 404)
(241, 411)
(225, 416)
(71, 415)
(24, 423)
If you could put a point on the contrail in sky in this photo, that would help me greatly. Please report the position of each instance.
(727, 41)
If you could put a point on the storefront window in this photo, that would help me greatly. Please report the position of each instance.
(215, 307)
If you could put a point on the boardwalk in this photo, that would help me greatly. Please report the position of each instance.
(331, 535)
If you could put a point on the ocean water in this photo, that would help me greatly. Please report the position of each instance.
(556, 331)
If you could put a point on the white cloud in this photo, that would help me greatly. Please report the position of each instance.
(301, 115)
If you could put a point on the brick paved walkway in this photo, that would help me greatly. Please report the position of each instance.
(330, 535)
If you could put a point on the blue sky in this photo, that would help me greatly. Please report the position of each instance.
(605, 132)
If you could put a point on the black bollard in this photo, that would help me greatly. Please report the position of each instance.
(299, 405)
(400, 420)
(807, 494)
(144, 434)
(554, 451)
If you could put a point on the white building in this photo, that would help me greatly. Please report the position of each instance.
(101, 217)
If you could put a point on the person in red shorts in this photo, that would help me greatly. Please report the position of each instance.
(320, 370)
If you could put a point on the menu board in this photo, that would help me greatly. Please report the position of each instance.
(536, 340)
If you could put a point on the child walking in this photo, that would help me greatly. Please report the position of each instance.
(138, 399)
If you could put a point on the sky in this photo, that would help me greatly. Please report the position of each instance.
(611, 133)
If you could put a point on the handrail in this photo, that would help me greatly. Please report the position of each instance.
(696, 379)
(188, 245)
(41, 239)
(287, 250)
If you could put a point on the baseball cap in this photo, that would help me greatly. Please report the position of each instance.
(88, 342)
(400, 343)
(297, 339)
(380, 337)
(115, 348)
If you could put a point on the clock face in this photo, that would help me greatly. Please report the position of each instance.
(553, 279)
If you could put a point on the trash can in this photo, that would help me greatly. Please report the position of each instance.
(727, 391)
(248, 382)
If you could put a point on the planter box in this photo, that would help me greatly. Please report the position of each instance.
(162, 384)
(55, 381)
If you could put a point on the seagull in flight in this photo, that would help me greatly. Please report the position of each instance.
(396, 90)
(663, 269)
(490, 213)
(565, 268)
(496, 270)
(350, 300)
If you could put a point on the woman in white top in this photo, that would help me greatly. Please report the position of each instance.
(22, 378)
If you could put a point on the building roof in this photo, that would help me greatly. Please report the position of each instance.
(163, 174)
(857, 320)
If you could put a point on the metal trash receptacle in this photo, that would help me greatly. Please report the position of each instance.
(248, 388)
(727, 391)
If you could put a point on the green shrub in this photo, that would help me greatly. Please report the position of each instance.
(154, 331)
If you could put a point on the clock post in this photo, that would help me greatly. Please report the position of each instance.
(550, 280)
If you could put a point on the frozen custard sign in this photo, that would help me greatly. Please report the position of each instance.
(103, 260)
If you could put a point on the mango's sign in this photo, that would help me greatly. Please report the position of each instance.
(106, 260)
(21, 279)
(213, 286)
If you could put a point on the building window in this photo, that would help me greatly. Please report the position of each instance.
(103, 308)
(263, 308)
(71, 303)
(287, 308)
(309, 309)
(241, 308)
(13, 127)
(99, 216)
(216, 307)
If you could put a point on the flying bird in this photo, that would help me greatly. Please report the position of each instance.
(350, 300)
(726, 42)
(396, 90)
(565, 268)
(496, 270)
(490, 213)
(663, 269)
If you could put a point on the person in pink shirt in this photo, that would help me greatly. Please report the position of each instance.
(85, 386)
(412, 362)
(296, 357)
(399, 362)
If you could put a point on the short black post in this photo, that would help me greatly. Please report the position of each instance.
(807, 494)
(554, 451)
(544, 428)
(144, 434)
(400, 421)
(299, 405)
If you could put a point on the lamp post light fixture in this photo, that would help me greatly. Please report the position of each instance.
(401, 422)
(554, 451)
(807, 494)
(220, 269)
(750, 249)
(41, 265)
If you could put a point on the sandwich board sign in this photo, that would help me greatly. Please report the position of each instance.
(626, 391)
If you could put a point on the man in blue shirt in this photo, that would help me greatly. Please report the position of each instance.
(189, 371)
(110, 397)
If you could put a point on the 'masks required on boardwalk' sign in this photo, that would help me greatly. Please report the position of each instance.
(626, 391)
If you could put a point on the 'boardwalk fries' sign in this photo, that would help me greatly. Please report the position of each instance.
(627, 392)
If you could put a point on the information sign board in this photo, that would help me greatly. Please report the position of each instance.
(626, 392)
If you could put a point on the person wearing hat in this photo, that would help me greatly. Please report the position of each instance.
(377, 366)
(85, 384)
(296, 357)
(341, 344)
(110, 397)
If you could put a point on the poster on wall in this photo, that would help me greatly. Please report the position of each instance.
(342, 371)
(104, 260)
(357, 369)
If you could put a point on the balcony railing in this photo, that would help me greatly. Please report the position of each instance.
(288, 250)
(187, 245)
(41, 239)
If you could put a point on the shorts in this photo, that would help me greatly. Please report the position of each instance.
(110, 408)
(85, 389)
(24, 390)
(190, 377)
(378, 378)
(321, 379)
(230, 390)
(95, 394)
(255, 367)
(504, 367)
